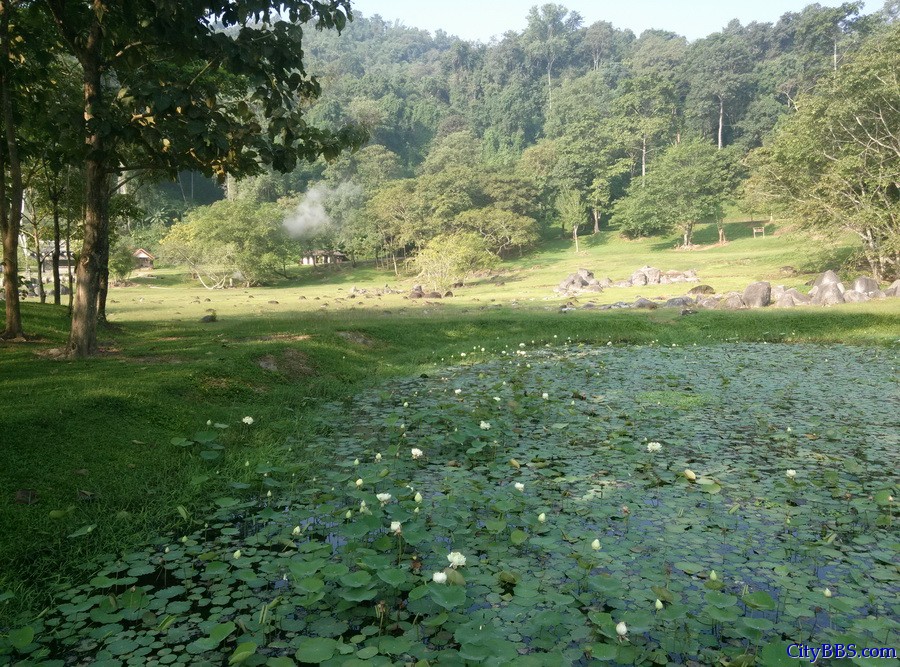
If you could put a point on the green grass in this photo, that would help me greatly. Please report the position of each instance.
(104, 426)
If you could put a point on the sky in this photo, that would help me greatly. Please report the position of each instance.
(482, 19)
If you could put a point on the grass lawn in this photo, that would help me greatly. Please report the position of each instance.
(87, 466)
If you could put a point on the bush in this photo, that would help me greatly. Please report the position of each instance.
(451, 258)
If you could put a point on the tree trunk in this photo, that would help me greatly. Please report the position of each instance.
(42, 294)
(10, 198)
(83, 337)
(55, 255)
(575, 236)
(721, 119)
(688, 233)
(104, 271)
(643, 160)
(596, 221)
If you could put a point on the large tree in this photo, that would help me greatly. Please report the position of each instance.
(835, 163)
(210, 85)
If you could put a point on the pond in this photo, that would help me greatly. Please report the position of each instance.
(617, 505)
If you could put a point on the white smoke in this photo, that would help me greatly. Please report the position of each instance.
(311, 217)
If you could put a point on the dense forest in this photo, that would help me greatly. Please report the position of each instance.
(476, 151)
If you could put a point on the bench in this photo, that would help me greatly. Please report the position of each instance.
(759, 230)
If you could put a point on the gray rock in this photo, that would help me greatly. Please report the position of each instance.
(416, 295)
(798, 296)
(434, 295)
(865, 285)
(827, 278)
(854, 296)
(702, 289)
(828, 294)
(757, 295)
(788, 271)
(594, 288)
(777, 291)
(593, 281)
(786, 301)
(708, 302)
(584, 273)
(606, 282)
(679, 302)
(653, 275)
(893, 290)
(622, 283)
(644, 303)
(732, 301)
(448, 294)
(639, 278)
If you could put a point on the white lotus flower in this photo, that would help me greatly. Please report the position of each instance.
(209, 422)
(418, 497)
(296, 530)
(396, 527)
(791, 473)
(383, 498)
(653, 447)
(349, 514)
(359, 483)
(542, 518)
(690, 474)
(457, 391)
(439, 578)
(827, 592)
(595, 545)
(713, 576)
(621, 629)
(363, 508)
(456, 559)
(519, 486)
(237, 554)
(356, 462)
(416, 511)
(545, 396)
(658, 604)
(378, 456)
(405, 404)
(485, 426)
(416, 453)
(166, 550)
(247, 420)
(269, 493)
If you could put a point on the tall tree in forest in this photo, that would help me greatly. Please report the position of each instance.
(835, 163)
(549, 38)
(171, 85)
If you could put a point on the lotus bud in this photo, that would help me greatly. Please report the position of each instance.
(237, 554)
(690, 474)
(396, 527)
(595, 545)
(356, 462)
(658, 604)
(621, 629)
(713, 576)
(349, 514)
(439, 578)
(418, 497)
(542, 517)
(416, 511)
(519, 486)
(378, 456)
(296, 530)
(359, 483)
(827, 592)
(791, 473)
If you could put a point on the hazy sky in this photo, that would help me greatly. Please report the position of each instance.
(482, 19)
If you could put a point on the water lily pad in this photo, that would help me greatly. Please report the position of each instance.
(315, 650)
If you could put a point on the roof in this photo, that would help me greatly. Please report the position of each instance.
(142, 254)
(324, 253)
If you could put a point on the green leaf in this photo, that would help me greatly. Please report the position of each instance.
(21, 637)
(448, 597)
(394, 577)
(759, 600)
(242, 652)
(84, 530)
(518, 537)
(315, 650)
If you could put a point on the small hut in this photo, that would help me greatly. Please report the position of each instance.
(143, 259)
(314, 257)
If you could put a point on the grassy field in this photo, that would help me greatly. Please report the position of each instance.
(86, 464)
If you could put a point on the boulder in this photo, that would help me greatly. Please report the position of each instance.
(653, 275)
(777, 291)
(679, 302)
(894, 289)
(606, 282)
(798, 296)
(416, 295)
(664, 280)
(708, 302)
(584, 273)
(638, 278)
(827, 278)
(865, 285)
(594, 288)
(732, 301)
(828, 294)
(786, 301)
(434, 295)
(702, 289)
(644, 303)
(757, 295)
(622, 283)
(448, 294)
(855, 296)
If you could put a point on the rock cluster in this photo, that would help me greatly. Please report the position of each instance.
(583, 280)
(418, 293)
(826, 290)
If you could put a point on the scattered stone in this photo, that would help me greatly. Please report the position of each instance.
(638, 278)
(732, 301)
(827, 278)
(622, 283)
(679, 302)
(605, 282)
(434, 295)
(448, 294)
(827, 294)
(709, 302)
(206, 319)
(273, 301)
(687, 311)
(893, 290)
(855, 296)
(585, 274)
(865, 285)
(702, 289)
(644, 303)
(757, 295)
(788, 271)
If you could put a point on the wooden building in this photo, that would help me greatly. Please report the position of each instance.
(314, 257)
(143, 259)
